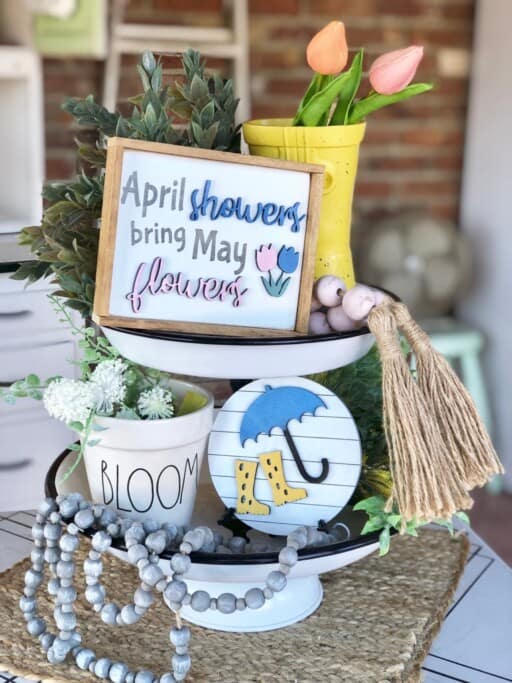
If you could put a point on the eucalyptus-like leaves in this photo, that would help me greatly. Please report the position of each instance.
(198, 111)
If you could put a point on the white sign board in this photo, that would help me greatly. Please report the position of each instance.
(206, 241)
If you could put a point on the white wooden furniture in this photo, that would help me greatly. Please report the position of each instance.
(32, 340)
(226, 42)
(21, 138)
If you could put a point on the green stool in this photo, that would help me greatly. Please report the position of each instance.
(461, 345)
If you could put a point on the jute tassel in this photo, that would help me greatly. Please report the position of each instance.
(465, 436)
(426, 484)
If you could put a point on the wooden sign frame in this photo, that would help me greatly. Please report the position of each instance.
(108, 235)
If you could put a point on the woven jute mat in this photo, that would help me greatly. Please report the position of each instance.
(376, 624)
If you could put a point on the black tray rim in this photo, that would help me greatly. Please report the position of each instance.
(224, 559)
(225, 340)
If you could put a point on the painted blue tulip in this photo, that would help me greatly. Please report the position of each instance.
(288, 259)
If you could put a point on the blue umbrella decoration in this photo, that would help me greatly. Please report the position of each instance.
(277, 407)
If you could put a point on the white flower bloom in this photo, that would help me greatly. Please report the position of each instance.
(107, 380)
(69, 400)
(156, 403)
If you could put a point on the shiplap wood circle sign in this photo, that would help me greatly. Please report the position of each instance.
(209, 242)
(283, 453)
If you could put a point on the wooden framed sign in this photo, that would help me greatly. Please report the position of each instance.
(203, 241)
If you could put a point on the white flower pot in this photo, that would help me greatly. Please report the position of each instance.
(150, 468)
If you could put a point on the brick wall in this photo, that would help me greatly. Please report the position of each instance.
(412, 154)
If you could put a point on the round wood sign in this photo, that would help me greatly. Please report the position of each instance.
(283, 453)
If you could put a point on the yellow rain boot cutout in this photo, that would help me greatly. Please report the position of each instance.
(282, 492)
(245, 479)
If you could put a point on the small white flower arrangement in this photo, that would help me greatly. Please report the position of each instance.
(110, 386)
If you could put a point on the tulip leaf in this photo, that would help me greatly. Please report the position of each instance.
(317, 83)
(362, 108)
(319, 104)
(346, 96)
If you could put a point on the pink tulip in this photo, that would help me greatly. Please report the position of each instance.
(266, 258)
(392, 72)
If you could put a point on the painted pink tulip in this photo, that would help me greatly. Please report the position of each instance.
(392, 72)
(266, 258)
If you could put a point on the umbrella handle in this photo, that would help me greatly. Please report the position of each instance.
(300, 465)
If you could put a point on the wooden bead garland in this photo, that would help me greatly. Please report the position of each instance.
(56, 544)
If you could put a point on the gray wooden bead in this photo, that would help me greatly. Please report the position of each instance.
(180, 664)
(143, 562)
(66, 595)
(240, 604)
(137, 552)
(101, 541)
(37, 532)
(180, 564)
(288, 556)
(180, 636)
(36, 626)
(161, 585)
(84, 658)
(135, 533)
(144, 677)
(213, 602)
(29, 592)
(195, 537)
(65, 570)
(69, 543)
(91, 580)
(268, 593)
(62, 647)
(109, 613)
(37, 555)
(237, 544)
(185, 547)
(84, 518)
(143, 598)
(156, 541)
(129, 615)
(130, 677)
(226, 603)
(92, 567)
(65, 621)
(102, 667)
(167, 678)
(118, 671)
(140, 610)
(113, 529)
(108, 516)
(171, 531)
(284, 569)
(95, 594)
(53, 657)
(187, 599)
(33, 578)
(47, 507)
(51, 555)
(276, 581)
(53, 586)
(151, 574)
(46, 640)
(254, 598)
(150, 525)
(52, 531)
(200, 601)
(27, 604)
(68, 508)
(97, 510)
(175, 591)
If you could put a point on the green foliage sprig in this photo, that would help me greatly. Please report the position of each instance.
(381, 520)
(65, 245)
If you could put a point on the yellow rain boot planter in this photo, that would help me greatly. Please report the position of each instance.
(336, 148)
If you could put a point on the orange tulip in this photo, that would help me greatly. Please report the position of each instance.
(327, 52)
